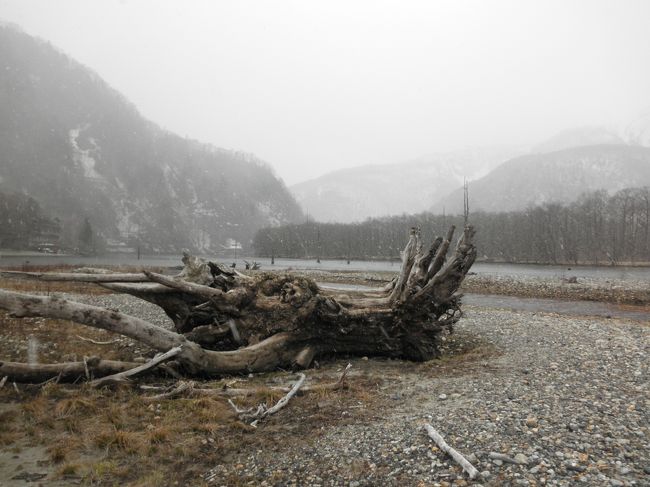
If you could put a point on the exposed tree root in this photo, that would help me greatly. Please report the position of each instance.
(229, 323)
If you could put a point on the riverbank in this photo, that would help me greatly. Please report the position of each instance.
(619, 291)
(531, 398)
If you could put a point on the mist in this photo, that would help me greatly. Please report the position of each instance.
(313, 87)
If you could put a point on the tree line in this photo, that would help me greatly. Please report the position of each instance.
(23, 223)
(597, 228)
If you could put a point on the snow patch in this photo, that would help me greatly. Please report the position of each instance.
(83, 156)
(264, 207)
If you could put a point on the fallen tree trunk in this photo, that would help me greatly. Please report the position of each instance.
(227, 323)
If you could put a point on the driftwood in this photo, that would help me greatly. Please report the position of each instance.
(123, 376)
(189, 388)
(263, 410)
(458, 458)
(228, 323)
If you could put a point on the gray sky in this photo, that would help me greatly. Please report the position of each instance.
(315, 86)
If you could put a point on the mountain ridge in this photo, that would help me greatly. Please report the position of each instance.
(83, 150)
(554, 177)
(373, 190)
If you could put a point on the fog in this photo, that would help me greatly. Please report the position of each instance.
(316, 86)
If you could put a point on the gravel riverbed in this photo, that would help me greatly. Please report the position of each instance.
(564, 401)
(548, 400)
(537, 399)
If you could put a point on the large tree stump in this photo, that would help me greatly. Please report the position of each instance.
(226, 322)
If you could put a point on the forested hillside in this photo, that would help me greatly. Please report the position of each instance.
(82, 151)
(597, 228)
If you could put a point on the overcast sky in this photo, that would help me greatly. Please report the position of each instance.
(315, 86)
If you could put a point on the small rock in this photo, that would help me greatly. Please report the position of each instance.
(531, 422)
(521, 459)
(442, 397)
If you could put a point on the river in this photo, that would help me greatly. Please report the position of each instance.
(550, 271)
(576, 308)
(541, 305)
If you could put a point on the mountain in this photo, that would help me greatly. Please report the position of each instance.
(83, 151)
(354, 194)
(578, 137)
(638, 131)
(559, 176)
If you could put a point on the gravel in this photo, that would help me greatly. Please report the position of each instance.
(565, 402)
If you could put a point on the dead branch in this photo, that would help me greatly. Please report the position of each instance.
(262, 411)
(68, 371)
(180, 388)
(123, 376)
(95, 342)
(458, 458)
(74, 277)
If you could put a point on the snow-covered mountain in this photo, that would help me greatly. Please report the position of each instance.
(560, 176)
(354, 194)
(637, 132)
(579, 137)
(82, 151)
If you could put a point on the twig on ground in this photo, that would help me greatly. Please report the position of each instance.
(121, 376)
(86, 368)
(95, 342)
(180, 388)
(227, 391)
(262, 411)
(458, 458)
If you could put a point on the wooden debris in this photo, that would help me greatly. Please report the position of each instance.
(458, 458)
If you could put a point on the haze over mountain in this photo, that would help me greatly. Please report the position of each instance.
(559, 176)
(354, 194)
(435, 182)
(83, 151)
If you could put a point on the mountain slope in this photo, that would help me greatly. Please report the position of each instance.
(83, 151)
(358, 193)
(579, 137)
(559, 176)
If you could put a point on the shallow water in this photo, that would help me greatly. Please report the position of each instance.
(572, 308)
(542, 305)
(546, 271)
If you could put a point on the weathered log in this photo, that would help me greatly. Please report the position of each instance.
(227, 323)
(66, 371)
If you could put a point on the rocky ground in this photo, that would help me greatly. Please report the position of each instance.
(529, 398)
(551, 401)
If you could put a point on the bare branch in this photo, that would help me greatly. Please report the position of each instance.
(122, 376)
(458, 458)
(75, 277)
